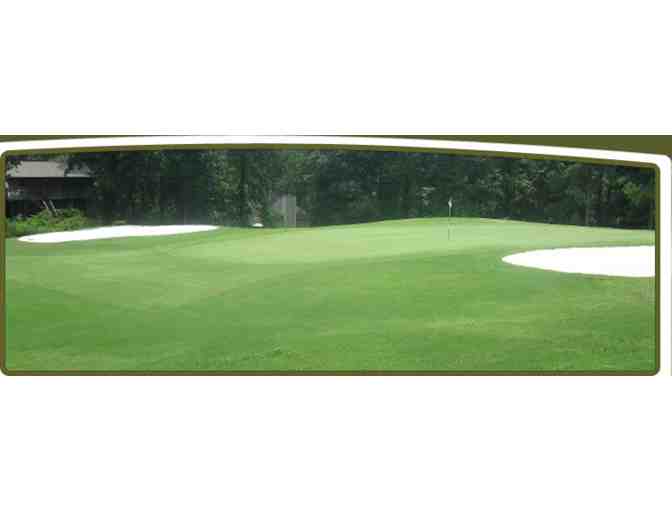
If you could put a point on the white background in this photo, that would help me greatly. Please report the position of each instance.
(335, 442)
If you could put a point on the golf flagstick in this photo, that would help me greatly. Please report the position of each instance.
(450, 214)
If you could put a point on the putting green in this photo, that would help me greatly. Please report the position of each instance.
(398, 295)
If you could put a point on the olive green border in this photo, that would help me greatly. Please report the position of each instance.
(663, 145)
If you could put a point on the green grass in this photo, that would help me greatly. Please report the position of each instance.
(389, 296)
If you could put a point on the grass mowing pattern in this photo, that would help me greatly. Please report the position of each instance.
(394, 295)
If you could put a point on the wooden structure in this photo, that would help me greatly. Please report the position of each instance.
(35, 185)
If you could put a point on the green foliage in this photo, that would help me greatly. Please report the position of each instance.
(272, 219)
(332, 187)
(43, 222)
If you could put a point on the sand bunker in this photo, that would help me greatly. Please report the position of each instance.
(631, 261)
(113, 232)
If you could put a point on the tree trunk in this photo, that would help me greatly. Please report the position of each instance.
(588, 197)
(406, 208)
(181, 212)
(599, 205)
(162, 205)
(607, 202)
(130, 214)
(242, 191)
(109, 203)
(379, 190)
(186, 201)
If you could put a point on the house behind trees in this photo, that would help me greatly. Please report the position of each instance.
(35, 185)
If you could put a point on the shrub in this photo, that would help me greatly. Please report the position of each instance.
(362, 211)
(272, 219)
(43, 222)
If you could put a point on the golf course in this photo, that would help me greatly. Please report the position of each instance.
(401, 295)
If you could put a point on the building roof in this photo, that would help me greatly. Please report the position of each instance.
(45, 169)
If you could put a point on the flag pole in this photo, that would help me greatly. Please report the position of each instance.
(450, 214)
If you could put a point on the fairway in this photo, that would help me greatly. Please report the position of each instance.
(407, 295)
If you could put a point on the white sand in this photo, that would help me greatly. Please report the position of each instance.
(113, 232)
(631, 261)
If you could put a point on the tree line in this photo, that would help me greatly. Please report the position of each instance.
(351, 186)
